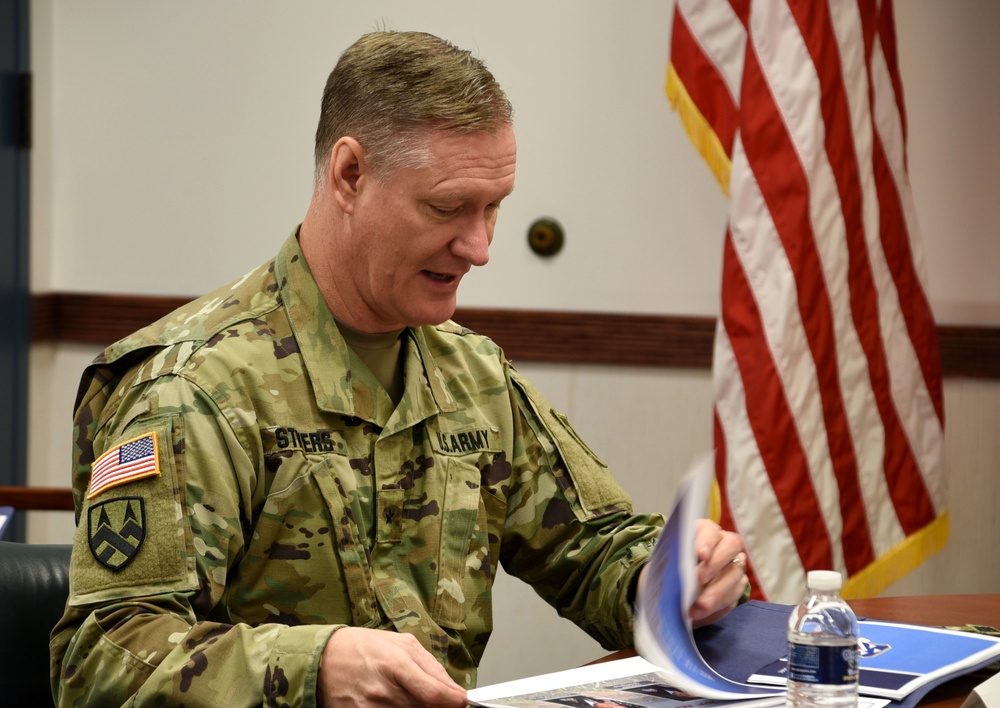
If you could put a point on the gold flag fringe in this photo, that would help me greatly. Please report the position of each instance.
(698, 129)
(899, 561)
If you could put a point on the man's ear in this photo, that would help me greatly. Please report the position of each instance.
(347, 165)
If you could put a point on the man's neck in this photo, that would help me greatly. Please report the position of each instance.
(382, 353)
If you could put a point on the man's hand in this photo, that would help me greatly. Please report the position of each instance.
(721, 572)
(372, 667)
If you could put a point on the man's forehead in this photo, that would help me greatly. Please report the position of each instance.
(499, 145)
(463, 160)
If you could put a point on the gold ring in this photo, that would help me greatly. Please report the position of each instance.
(739, 561)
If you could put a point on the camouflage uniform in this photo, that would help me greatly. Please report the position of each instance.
(276, 493)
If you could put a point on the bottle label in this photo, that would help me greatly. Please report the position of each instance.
(830, 665)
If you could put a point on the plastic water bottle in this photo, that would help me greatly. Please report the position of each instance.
(823, 646)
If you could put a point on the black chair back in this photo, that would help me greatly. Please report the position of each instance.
(34, 584)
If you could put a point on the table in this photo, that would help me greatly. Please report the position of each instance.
(937, 610)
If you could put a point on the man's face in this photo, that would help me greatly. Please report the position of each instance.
(417, 233)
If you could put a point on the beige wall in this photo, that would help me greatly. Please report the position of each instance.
(173, 145)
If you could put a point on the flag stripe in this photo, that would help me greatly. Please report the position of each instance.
(833, 132)
(840, 139)
(828, 413)
(887, 50)
(908, 262)
(856, 176)
(750, 491)
(122, 472)
(783, 180)
(905, 257)
(900, 375)
(867, 427)
(859, 446)
(772, 423)
(711, 74)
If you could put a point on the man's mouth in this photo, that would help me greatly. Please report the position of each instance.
(440, 277)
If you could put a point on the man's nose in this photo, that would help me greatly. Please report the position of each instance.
(473, 244)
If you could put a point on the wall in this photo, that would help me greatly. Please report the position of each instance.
(173, 153)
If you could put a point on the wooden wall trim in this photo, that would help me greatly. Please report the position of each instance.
(37, 498)
(525, 335)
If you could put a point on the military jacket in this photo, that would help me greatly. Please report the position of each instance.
(244, 487)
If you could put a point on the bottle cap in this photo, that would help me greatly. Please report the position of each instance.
(824, 579)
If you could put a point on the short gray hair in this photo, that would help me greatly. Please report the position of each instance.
(390, 90)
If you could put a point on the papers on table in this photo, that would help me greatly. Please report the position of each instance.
(626, 683)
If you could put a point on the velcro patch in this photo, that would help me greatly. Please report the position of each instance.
(133, 459)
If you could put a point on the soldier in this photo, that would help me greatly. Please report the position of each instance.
(298, 488)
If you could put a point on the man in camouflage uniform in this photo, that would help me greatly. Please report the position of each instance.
(274, 475)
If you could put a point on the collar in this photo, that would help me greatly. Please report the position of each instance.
(327, 358)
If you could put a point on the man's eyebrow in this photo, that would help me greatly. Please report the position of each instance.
(460, 196)
(505, 195)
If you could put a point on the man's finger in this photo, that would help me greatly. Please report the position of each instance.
(424, 679)
(424, 688)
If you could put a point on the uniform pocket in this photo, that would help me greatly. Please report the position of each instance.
(458, 543)
(292, 570)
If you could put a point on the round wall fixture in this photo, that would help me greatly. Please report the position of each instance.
(546, 237)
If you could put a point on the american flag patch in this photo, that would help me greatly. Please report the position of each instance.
(132, 460)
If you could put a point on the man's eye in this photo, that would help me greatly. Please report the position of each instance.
(443, 211)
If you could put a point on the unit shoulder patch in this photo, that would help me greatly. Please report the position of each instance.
(116, 530)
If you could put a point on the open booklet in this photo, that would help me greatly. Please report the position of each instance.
(671, 670)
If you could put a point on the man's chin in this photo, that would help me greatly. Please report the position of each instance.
(433, 316)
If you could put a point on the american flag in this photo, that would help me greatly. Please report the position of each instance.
(132, 460)
(829, 413)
